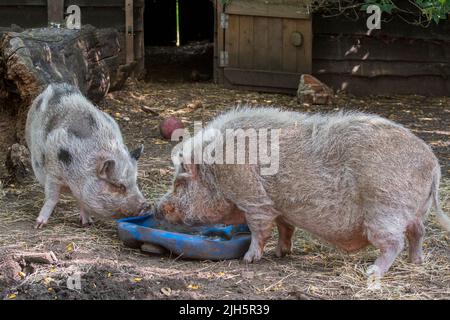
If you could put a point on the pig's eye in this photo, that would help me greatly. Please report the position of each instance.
(122, 188)
(178, 183)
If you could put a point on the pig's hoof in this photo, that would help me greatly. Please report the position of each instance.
(40, 223)
(252, 256)
(86, 223)
(416, 260)
(374, 271)
(282, 251)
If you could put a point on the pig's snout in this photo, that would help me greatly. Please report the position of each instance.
(136, 208)
(143, 207)
(165, 210)
(157, 212)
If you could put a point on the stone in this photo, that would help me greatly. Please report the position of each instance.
(312, 91)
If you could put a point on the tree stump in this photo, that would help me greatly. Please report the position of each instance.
(18, 162)
(31, 59)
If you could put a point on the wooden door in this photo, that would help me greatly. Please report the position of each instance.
(264, 45)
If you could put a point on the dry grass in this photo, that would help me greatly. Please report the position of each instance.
(313, 271)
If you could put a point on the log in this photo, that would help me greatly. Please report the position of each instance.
(36, 257)
(33, 58)
(14, 266)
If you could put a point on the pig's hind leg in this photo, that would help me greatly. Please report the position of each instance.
(389, 240)
(415, 233)
(285, 233)
(52, 194)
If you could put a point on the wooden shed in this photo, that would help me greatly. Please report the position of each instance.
(263, 45)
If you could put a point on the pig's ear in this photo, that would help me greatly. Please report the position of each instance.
(136, 153)
(105, 169)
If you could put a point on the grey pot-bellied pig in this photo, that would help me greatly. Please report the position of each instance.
(78, 148)
(351, 179)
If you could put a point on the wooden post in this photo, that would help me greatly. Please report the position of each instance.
(139, 46)
(129, 32)
(219, 39)
(55, 11)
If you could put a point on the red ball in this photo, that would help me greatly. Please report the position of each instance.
(168, 126)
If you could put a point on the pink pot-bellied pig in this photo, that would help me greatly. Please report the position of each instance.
(77, 148)
(351, 179)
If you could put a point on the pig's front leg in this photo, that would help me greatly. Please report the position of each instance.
(52, 193)
(260, 222)
(85, 218)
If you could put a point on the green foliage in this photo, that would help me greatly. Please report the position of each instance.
(432, 10)
(385, 5)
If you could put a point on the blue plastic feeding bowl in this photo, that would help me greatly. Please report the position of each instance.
(213, 242)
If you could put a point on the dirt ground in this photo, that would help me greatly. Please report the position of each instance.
(109, 270)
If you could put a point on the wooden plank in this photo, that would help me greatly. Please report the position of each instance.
(100, 3)
(356, 47)
(262, 79)
(55, 11)
(275, 2)
(139, 70)
(289, 50)
(107, 17)
(275, 45)
(81, 3)
(14, 3)
(129, 33)
(232, 40)
(266, 9)
(246, 42)
(138, 26)
(304, 53)
(396, 28)
(288, 91)
(122, 53)
(360, 86)
(371, 69)
(261, 42)
(138, 45)
(30, 17)
(219, 42)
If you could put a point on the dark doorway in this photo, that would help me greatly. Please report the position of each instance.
(183, 53)
(196, 20)
(160, 23)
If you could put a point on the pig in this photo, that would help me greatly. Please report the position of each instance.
(77, 148)
(349, 178)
